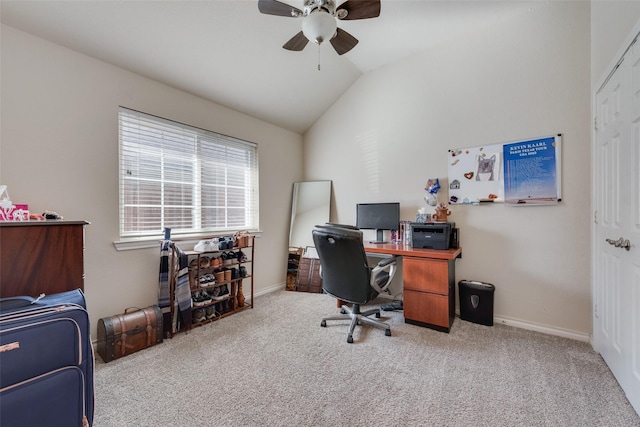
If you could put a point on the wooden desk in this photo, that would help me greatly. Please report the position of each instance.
(428, 281)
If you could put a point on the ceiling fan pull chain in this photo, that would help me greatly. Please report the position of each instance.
(318, 57)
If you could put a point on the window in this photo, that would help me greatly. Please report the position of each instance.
(188, 179)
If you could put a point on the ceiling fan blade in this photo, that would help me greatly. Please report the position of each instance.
(274, 7)
(360, 9)
(343, 42)
(297, 42)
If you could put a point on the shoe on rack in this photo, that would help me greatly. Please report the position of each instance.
(195, 300)
(198, 315)
(203, 281)
(218, 307)
(230, 258)
(209, 280)
(234, 273)
(206, 299)
(241, 257)
(224, 290)
(215, 294)
(199, 300)
(243, 271)
(201, 246)
(205, 262)
(210, 312)
(226, 307)
(219, 276)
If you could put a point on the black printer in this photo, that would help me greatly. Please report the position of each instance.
(434, 235)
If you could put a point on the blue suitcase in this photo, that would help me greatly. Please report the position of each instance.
(47, 361)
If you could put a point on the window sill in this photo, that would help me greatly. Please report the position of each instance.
(154, 242)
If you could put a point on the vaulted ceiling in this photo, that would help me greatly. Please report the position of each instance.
(229, 53)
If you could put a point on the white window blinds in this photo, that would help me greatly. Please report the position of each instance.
(188, 179)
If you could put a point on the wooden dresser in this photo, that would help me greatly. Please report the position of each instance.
(41, 257)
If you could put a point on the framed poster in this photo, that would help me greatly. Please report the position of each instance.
(518, 173)
(532, 172)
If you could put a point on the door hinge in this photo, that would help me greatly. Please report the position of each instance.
(595, 124)
(595, 217)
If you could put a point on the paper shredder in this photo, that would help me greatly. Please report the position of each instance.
(476, 301)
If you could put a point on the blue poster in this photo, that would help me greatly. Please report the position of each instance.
(530, 172)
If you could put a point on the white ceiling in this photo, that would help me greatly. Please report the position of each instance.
(227, 52)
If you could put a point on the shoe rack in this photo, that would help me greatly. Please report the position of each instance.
(220, 282)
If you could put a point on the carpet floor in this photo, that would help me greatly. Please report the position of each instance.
(274, 365)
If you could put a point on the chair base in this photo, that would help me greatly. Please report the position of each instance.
(358, 318)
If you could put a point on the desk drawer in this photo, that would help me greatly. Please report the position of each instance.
(427, 309)
(429, 275)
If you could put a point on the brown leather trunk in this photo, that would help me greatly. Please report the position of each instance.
(126, 333)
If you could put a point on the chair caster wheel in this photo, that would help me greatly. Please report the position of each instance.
(350, 339)
(387, 332)
(343, 311)
(378, 315)
(323, 323)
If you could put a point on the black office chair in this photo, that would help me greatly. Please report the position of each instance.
(347, 276)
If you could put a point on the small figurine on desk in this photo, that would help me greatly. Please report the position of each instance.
(432, 187)
(442, 212)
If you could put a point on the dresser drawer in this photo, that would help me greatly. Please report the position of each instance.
(428, 275)
(425, 308)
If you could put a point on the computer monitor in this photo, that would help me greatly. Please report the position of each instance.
(379, 217)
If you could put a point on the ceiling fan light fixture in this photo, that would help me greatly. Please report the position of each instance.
(319, 26)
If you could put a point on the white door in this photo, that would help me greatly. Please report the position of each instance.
(616, 315)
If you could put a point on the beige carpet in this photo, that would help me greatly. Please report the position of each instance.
(275, 366)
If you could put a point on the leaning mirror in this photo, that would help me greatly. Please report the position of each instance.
(310, 206)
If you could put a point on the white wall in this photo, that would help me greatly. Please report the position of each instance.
(611, 23)
(60, 152)
(391, 130)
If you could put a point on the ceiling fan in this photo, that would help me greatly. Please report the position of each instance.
(319, 21)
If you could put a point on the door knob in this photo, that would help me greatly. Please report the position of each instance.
(620, 243)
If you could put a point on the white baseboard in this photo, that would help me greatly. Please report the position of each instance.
(270, 289)
(545, 329)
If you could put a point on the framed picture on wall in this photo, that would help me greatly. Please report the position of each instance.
(475, 174)
(532, 172)
(521, 173)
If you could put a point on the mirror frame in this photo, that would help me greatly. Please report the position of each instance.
(310, 206)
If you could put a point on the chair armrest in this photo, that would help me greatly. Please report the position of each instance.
(389, 260)
(387, 265)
